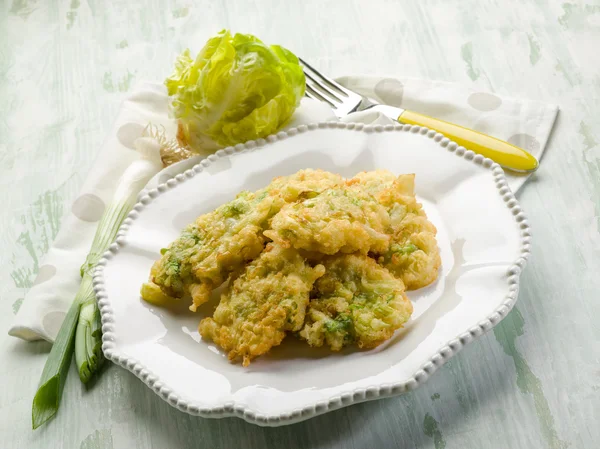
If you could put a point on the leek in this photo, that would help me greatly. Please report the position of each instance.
(88, 337)
(81, 329)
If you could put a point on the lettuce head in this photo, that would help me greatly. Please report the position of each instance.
(236, 89)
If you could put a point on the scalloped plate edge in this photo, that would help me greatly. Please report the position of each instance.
(344, 399)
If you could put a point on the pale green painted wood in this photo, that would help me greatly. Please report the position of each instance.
(531, 383)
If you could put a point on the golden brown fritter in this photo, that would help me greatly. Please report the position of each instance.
(222, 241)
(304, 184)
(336, 220)
(214, 245)
(343, 252)
(373, 182)
(357, 302)
(269, 298)
(413, 254)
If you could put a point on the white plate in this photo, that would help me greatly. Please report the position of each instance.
(484, 241)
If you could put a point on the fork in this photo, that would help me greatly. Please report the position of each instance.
(343, 101)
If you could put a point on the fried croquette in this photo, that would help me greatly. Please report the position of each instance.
(269, 298)
(222, 241)
(335, 220)
(304, 184)
(357, 302)
(313, 254)
(413, 254)
(213, 246)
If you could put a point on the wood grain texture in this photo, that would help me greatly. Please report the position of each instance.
(531, 383)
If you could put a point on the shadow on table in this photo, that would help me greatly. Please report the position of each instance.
(27, 348)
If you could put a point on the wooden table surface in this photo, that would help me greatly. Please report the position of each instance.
(533, 382)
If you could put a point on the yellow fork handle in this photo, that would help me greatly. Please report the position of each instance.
(505, 154)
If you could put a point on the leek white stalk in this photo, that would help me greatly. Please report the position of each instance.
(88, 342)
(81, 328)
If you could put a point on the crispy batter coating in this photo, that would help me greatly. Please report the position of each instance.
(373, 182)
(214, 245)
(269, 298)
(342, 254)
(222, 241)
(336, 220)
(304, 184)
(413, 254)
(357, 302)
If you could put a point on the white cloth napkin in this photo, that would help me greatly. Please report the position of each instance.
(521, 122)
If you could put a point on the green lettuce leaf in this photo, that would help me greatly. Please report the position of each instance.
(237, 89)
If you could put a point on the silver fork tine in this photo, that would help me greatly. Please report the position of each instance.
(311, 92)
(332, 83)
(325, 90)
(309, 95)
(322, 86)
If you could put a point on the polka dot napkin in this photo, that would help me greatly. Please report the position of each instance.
(521, 122)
